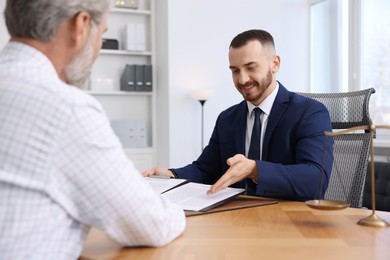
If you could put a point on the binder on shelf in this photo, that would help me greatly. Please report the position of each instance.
(130, 44)
(140, 37)
(128, 78)
(148, 80)
(139, 78)
(135, 38)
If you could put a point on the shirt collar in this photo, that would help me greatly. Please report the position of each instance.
(267, 103)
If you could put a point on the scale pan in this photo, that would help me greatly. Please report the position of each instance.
(327, 204)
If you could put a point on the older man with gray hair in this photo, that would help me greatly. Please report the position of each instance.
(62, 169)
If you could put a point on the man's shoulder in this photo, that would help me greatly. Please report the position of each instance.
(234, 109)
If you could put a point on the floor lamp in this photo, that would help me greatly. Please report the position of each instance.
(202, 95)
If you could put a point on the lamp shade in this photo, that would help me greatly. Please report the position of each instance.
(202, 94)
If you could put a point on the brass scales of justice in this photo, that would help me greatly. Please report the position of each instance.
(322, 204)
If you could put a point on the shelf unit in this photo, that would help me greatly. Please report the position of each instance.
(122, 105)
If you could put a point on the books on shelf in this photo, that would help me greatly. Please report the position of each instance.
(193, 198)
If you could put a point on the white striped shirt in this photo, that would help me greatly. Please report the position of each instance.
(62, 169)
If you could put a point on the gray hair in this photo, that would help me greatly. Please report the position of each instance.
(40, 19)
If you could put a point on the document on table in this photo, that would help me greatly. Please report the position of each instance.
(161, 185)
(190, 195)
(193, 196)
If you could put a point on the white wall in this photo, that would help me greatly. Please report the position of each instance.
(195, 47)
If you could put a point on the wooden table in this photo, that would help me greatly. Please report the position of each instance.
(286, 230)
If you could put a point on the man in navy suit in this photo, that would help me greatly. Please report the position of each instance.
(295, 160)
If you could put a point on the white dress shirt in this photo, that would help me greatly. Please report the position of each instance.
(63, 170)
(266, 107)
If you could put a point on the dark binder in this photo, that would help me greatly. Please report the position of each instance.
(128, 78)
(139, 78)
(148, 80)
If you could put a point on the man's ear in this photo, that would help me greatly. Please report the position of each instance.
(276, 63)
(81, 27)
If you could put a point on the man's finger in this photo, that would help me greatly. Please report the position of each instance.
(225, 181)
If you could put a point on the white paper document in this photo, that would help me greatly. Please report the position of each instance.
(193, 196)
(161, 185)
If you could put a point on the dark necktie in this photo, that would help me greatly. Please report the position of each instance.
(254, 148)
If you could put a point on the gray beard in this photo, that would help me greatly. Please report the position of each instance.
(79, 69)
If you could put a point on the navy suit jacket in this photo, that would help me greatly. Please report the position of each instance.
(296, 159)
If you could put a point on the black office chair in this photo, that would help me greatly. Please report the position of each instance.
(350, 151)
(382, 187)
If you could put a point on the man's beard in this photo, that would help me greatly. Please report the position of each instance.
(263, 85)
(80, 67)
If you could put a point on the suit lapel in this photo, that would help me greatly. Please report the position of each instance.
(239, 121)
(278, 108)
